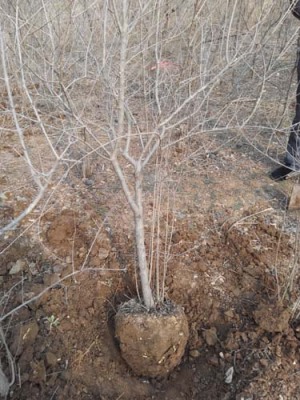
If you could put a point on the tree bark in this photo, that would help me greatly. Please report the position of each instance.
(140, 242)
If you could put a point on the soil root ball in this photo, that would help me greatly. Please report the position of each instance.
(152, 343)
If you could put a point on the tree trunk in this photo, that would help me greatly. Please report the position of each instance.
(140, 243)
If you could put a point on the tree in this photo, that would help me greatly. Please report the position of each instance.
(153, 66)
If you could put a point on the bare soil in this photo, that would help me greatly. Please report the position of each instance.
(233, 268)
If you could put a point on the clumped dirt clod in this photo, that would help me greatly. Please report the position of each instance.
(152, 344)
(272, 317)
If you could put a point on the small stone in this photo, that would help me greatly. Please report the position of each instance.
(264, 362)
(88, 182)
(17, 267)
(194, 353)
(229, 375)
(229, 314)
(210, 336)
(68, 260)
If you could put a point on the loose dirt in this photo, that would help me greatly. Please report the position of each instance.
(233, 267)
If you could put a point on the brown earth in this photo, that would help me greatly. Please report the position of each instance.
(233, 267)
(152, 343)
